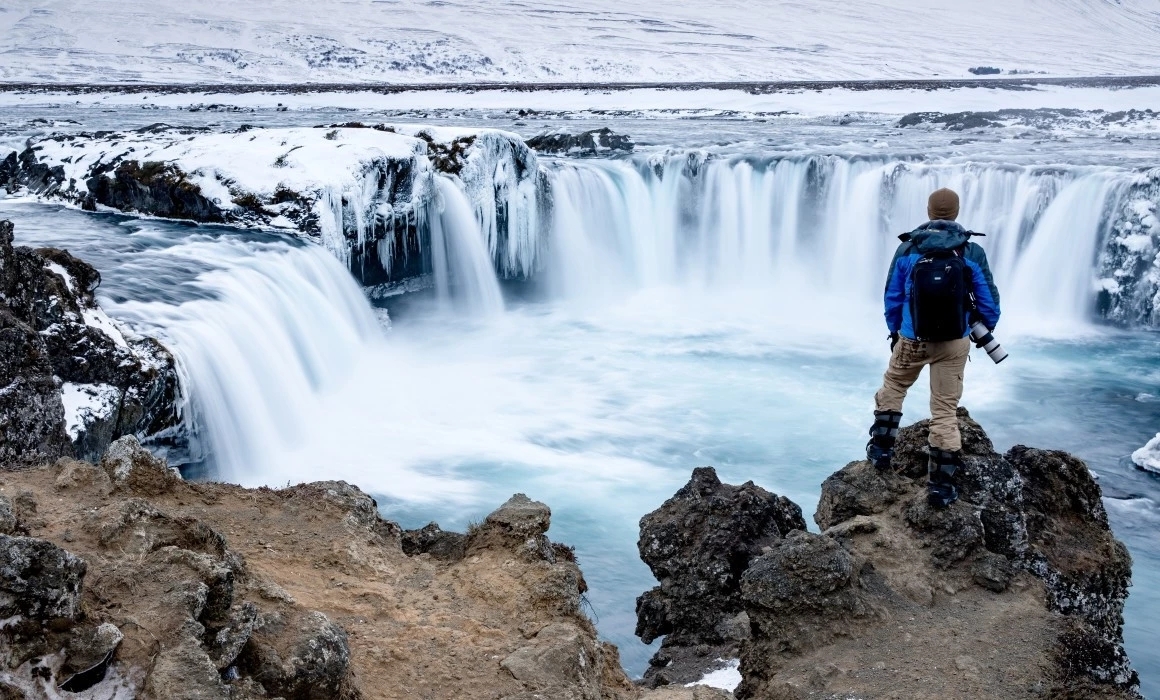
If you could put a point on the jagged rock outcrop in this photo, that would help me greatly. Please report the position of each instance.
(1015, 591)
(595, 142)
(164, 588)
(698, 544)
(70, 381)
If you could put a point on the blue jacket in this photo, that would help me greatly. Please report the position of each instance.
(928, 238)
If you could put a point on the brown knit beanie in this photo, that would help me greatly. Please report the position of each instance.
(943, 205)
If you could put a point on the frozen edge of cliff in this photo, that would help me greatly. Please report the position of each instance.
(366, 192)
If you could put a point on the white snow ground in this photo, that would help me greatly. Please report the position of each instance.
(86, 403)
(175, 41)
(727, 678)
(656, 103)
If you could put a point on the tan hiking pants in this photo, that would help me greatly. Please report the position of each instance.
(947, 361)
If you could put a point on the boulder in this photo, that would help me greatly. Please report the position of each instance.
(132, 468)
(595, 142)
(8, 520)
(561, 662)
(39, 580)
(519, 524)
(88, 654)
(229, 640)
(307, 659)
(184, 670)
(698, 544)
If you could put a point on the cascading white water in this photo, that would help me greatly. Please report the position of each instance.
(824, 225)
(463, 270)
(276, 325)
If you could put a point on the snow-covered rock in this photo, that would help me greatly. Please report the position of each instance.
(1128, 286)
(70, 380)
(367, 192)
(1148, 456)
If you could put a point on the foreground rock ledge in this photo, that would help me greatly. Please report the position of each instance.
(1016, 591)
(121, 575)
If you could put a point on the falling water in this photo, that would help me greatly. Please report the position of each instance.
(824, 226)
(464, 276)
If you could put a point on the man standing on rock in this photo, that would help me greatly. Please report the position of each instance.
(938, 282)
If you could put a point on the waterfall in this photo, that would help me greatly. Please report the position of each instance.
(463, 271)
(273, 325)
(825, 225)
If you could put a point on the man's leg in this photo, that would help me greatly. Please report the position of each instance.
(948, 361)
(906, 363)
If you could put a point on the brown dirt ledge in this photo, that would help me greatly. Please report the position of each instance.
(172, 589)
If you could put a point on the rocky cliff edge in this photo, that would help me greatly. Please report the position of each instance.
(1015, 591)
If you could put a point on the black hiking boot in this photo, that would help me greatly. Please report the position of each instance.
(883, 433)
(940, 469)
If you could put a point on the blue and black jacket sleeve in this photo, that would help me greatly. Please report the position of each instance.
(986, 293)
(896, 280)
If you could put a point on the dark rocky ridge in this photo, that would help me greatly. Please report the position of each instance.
(596, 142)
(1016, 591)
(46, 340)
(698, 544)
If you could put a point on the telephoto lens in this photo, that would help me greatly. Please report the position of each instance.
(983, 339)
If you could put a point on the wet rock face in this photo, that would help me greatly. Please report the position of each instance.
(384, 222)
(58, 350)
(698, 544)
(590, 143)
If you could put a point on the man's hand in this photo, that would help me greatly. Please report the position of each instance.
(893, 340)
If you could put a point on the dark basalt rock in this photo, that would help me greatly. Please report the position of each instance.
(432, 539)
(160, 189)
(48, 335)
(590, 143)
(32, 427)
(39, 580)
(698, 544)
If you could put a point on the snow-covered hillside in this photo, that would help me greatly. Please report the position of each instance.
(174, 41)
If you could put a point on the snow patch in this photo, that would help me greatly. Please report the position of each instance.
(84, 404)
(727, 678)
(96, 318)
(58, 269)
(39, 678)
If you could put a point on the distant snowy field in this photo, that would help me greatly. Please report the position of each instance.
(172, 41)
